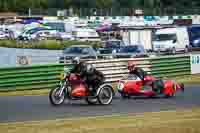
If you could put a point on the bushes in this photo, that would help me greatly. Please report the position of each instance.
(46, 44)
(8, 44)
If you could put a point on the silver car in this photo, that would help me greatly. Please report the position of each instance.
(82, 51)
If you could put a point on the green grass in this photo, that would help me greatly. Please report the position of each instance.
(180, 121)
(188, 80)
(46, 44)
(41, 92)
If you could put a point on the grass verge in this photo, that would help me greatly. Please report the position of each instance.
(182, 121)
(192, 79)
(41, 92)
(45, 44)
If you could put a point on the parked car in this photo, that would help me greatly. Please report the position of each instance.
(111, 46)
(194, 35)
(82, 51)
(36, 33)
(64, 36)
(3, 35)
(132, 51)
(43, 35)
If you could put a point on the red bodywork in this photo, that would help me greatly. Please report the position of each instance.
(78, 86)
(134, 87)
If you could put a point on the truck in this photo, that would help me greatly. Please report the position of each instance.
(139, 37)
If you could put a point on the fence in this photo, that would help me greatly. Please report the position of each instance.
(166, 66)
(170, 66)
(47, 76)
(31, 77)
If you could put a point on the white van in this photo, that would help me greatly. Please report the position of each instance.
(86, 34)
(171, 40)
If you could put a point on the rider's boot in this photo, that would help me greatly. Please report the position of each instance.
(146, 87)
(91, 91)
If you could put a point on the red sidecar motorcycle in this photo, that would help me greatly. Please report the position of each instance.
(133, 86)
(72, 87)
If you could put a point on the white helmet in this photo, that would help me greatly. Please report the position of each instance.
(76, 60)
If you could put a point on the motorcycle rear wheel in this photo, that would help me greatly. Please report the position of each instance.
(54, 97)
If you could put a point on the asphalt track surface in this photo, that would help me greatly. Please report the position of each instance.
(34, 108)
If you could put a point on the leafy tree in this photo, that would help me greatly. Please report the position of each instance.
(104, 3)
(149, 5)
(67, 3)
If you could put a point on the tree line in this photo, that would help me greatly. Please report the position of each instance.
(156, 6)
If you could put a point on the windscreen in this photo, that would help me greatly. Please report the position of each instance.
(75, 50)
(132, 49)
(165, 37)
(113, 44)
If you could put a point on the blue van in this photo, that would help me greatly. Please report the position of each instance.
(194, 35)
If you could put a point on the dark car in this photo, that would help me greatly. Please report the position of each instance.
(110, 46)
(194, 36)
(132, 51)
(82, 51)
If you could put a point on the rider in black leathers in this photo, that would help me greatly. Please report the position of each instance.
(136, 70)
(92, 77)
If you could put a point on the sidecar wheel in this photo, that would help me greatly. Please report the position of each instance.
(169, 95)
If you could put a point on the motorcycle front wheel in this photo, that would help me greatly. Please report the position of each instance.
(55, 98)
(105, 95)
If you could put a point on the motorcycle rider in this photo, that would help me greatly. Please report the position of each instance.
(158, 84)
(136, 70)
(92, 77)
(80, 66)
